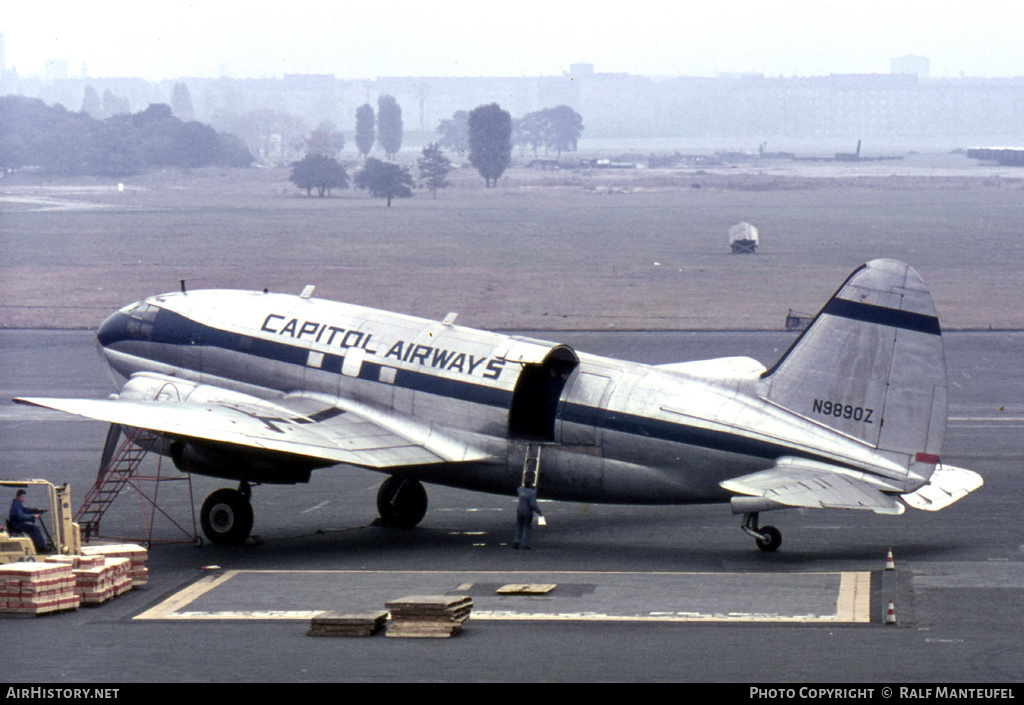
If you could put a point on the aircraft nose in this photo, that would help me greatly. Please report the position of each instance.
(112, 330)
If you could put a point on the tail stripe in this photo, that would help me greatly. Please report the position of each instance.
(870, 313)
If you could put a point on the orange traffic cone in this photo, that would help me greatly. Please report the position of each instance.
(890, 614)
(889, 563)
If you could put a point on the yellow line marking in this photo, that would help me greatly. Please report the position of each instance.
(852, 601)
(167, 608)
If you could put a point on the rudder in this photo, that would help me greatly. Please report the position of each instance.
(871, 363)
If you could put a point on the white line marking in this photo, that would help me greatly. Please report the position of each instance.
(314, 508)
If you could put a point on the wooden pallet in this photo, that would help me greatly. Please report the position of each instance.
(430, 616)
(347, 623)
(526, 589)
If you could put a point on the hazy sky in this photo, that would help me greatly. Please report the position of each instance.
(365, 39)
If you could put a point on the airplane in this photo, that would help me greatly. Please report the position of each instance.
(264, 388)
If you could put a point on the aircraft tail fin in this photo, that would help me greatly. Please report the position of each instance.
(871, 364)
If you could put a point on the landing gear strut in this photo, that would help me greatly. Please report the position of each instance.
(401, 502)
(768, 538)
(226, 516)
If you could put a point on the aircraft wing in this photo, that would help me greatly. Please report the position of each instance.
(295, 424)
(795, 482)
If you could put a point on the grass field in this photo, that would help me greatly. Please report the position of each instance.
(545, 250)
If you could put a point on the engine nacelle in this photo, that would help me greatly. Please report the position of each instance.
(239, 463)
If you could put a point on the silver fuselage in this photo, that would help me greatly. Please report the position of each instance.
(611, 431)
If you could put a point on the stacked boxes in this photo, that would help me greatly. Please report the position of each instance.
(136, 555)
(59, 582)
(37, 588)
(103, 579)
(428, 616)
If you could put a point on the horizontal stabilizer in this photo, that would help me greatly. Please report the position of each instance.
(946, 485)
(804, 483)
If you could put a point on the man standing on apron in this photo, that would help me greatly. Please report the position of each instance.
(524, 513)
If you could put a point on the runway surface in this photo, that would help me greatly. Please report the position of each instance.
(641, 593)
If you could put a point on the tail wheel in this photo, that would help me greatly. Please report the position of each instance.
(770, 539)
(226, 517)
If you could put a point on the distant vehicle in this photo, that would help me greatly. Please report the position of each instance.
(606, 164)
(797, 321)
(265, 388)
(743, 239)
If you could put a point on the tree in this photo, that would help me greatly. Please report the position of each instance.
(530, 132)
(269, 133)
(320, 172)
(385, 180)
(115, 148)
(233, 151)
(434, 167)
(60, 142)
(455, 132)
(557, 129)
(159, 135)
(112, 105)
(91, 102)
(199, 145)
(389, 125)
(564, 127)
(325, 139)
(365, 129)
(181, 103)
(320, 142)
(490, 141)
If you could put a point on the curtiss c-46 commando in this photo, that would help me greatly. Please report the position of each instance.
(264, 388)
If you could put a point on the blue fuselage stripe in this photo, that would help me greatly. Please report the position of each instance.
(882, 315)
(172, 329)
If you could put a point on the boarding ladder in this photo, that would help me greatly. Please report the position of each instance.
(531, 464)
(122, 469)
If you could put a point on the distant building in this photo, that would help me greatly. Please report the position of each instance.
(921, 66)
(309, 81)
(902, 109)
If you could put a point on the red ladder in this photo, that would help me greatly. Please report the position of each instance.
(121, 470)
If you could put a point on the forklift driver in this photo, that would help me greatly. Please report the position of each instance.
(22, 519)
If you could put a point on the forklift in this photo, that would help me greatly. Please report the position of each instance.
(63, 536)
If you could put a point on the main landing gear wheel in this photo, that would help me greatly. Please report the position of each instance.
(227, 517)
(401, 502)
(767, 538)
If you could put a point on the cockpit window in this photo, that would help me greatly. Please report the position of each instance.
(140, 322)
